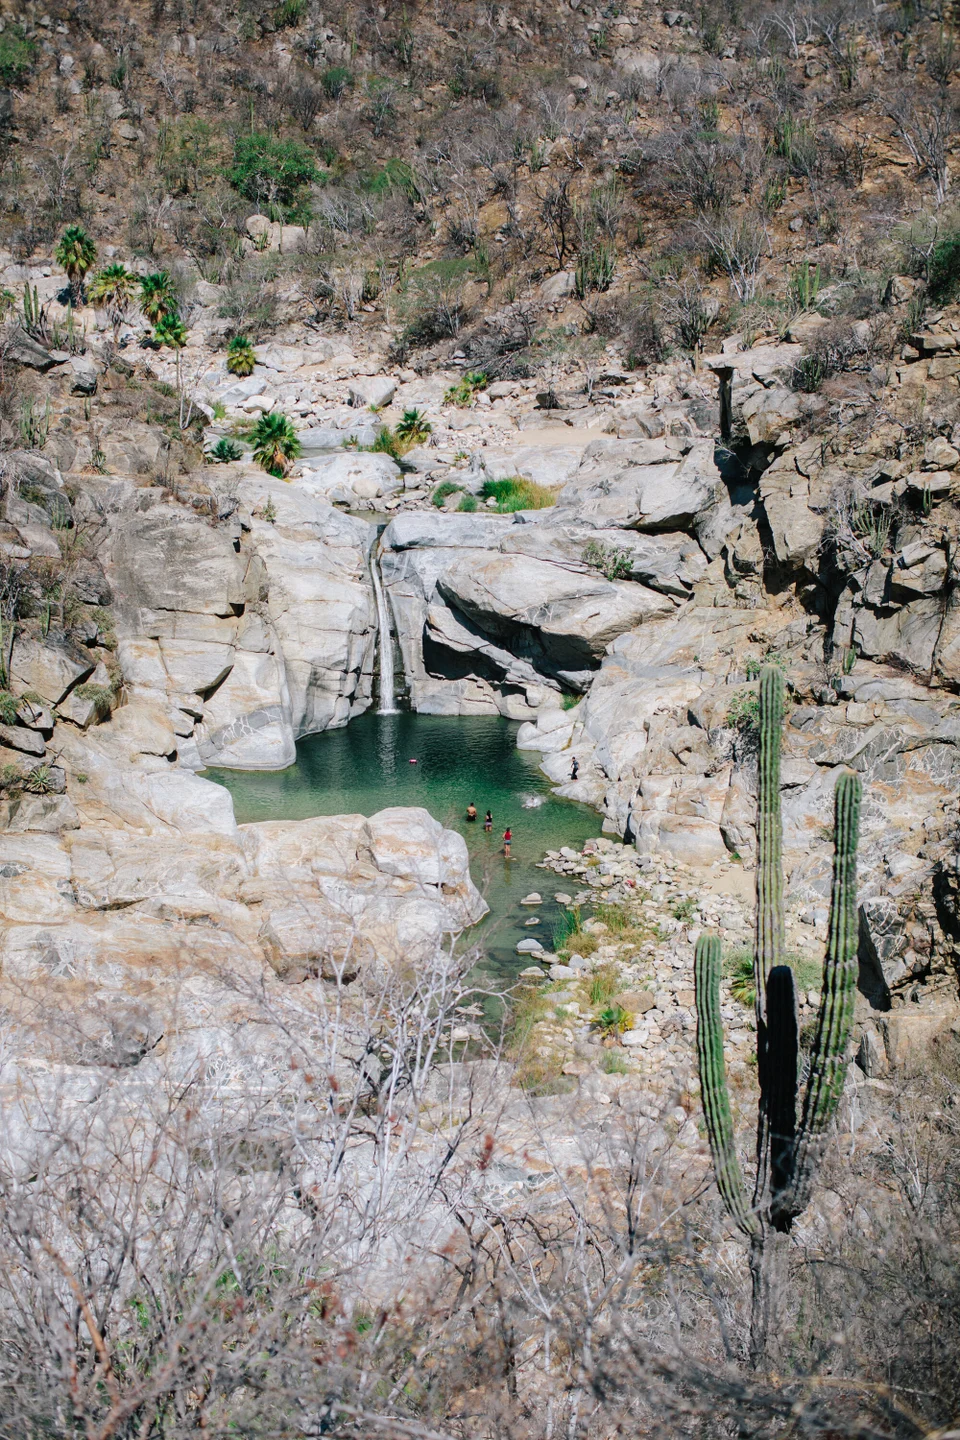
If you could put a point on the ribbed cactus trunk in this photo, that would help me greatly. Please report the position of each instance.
(713, 1083)
(769, 922)
(787, 1153)
(829, 1054)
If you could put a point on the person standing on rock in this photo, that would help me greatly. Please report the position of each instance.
(507, 839)
(471, 811)
(488, 820)
(574, 768)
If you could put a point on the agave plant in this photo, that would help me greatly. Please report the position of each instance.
(275, 443)
(76, 252)
(156, 296)
(240, 356)
(113, 288)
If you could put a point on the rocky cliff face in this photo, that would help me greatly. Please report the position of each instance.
(251, 634)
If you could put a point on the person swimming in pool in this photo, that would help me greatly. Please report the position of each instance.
(507, 841)
(471, 811)
(488, 820)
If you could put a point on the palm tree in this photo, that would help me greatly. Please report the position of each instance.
(240, 356)
(156, 296)
(275, 443)
(113, 288)
(76, 252)
(412, 428)
(171, 331)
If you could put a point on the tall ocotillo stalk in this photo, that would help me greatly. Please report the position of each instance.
(787, 1153)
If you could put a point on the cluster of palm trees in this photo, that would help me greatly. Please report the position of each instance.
(117, 290)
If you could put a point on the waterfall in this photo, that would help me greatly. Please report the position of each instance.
(387, 702)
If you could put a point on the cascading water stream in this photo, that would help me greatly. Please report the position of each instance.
(388, 704)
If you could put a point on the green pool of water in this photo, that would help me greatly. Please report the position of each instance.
(366, 766)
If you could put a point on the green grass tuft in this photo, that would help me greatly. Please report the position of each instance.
(518, 493)
(445, 488)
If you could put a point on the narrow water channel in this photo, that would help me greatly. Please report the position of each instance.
(366, 767)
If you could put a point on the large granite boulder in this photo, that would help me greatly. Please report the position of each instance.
(641, 485)
(565, 618)
(167, 561)
(49, 668)
(351, 475)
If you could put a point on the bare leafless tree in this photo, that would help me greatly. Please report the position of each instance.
(926, 126)
(734, 244)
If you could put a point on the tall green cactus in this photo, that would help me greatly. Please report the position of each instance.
(769, 924)
(787, 1153)
(713, 1084)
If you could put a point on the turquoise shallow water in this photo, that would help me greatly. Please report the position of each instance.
(366, 766)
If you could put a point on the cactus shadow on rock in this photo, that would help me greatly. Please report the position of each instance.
(788, 1148)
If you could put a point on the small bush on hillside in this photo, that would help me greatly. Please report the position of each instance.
(189, 154)
(274, 173)
(17, 54)
(336, 80)
(943, 282)
(289, 13)
(467, 81)
(434, 302)
(303, 98)
(249, 301)
(643, 333)
(518, 493)
(393, 175)
(381, 111)
(836, 348)
(743, 712)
